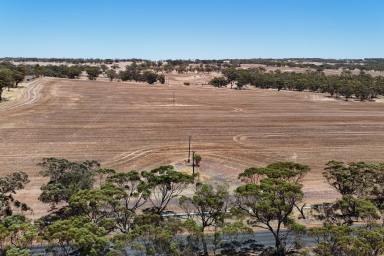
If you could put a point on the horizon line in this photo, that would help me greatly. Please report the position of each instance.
(189, 59)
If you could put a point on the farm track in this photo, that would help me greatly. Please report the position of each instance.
(130, 126)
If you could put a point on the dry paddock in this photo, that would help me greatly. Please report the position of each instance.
(135, 126)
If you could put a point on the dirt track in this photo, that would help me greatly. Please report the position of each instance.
(130, 126)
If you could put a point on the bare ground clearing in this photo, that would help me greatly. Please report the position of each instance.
(133, 126)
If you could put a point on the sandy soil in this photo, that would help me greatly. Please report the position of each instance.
(12, 94)
(135, 126)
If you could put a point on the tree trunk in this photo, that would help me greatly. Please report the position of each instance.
(279, 248)
(204, 242)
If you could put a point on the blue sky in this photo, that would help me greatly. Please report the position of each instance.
(159, 29)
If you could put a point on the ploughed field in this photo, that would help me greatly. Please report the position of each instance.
(135, 126)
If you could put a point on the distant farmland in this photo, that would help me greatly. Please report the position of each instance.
(135, 126)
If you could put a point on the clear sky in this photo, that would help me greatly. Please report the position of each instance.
(160, 29)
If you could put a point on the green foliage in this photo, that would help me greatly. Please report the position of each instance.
(73, 72)
(348, 241)
(344, 178)
(218, 82)
(6, 77)
(104, 67)
(8, 187)
(153, 239)
(149, 77)
(113, 206)
(279, 170)
(271, 200)
(97, 205)
(18, 77)
(231, 74)
(359, 179)
(10, 75)
(6, 80)
(287, 170)
(197, 159)
(269, 203)
(140, 73)
(362, 86)
(62, 71)
(235, 228)
(104, 173)
(131, 72)
(93, 72)
(77, 234)
(65, 178)
(161, 78)
(346, 211)
(111, 74)
(17, 231)
(106, 218)
(209, 205)
(166, 184)
(361, 187)
(14, 251)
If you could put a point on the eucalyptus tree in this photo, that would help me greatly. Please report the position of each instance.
(209, 206)
(218, 82)
(115, 204)
(93, 72)
(65, 179)
(166, 184)
(111, 74)
(6, 80)
(268, 201)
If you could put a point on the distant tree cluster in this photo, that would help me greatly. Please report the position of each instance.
(93, 72)
(361, 186)
(362, 86)
(318, 64)
(140, 73)
(62, 71)
(98, 211)
(10, 76)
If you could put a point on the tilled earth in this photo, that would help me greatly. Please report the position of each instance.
(135, 126)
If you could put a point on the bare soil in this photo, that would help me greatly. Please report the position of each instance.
(136, 126)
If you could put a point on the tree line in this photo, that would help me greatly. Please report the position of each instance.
(362, 86)
(139, 73)
(347, 85)
(318, 64)
(69, 60)
(99, 211)
(11, 75)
